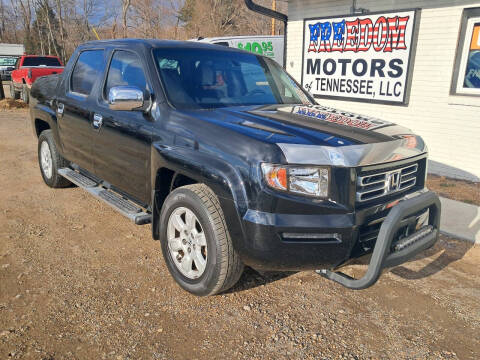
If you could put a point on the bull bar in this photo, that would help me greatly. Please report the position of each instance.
(384, 255)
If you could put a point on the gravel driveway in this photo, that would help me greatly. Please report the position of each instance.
(78, 281)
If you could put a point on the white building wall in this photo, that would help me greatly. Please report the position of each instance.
(12, 49)
(449, 124)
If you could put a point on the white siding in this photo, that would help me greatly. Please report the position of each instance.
(449, 124)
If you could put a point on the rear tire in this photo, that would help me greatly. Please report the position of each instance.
(219, 266)
(13, 94)
(25, 95)
(50, 161)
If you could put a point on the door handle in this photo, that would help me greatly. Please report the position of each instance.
(60, 108)
(97, 121)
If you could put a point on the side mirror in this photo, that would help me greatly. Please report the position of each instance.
(125, 98)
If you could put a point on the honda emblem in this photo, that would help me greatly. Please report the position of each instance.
(393, 181)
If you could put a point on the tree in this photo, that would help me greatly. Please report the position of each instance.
(24, 7)
(147, 17)
(45, 25)
(57, 27)
(209, 18)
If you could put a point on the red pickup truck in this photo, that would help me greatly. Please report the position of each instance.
(27, 69)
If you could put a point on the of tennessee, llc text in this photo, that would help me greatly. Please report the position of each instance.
(359, 87)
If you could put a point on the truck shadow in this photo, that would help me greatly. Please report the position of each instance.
(451, 251)
(445, 252)
(251, 279)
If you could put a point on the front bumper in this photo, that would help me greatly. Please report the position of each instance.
(308, 242)
(6, 75)
(272, 242)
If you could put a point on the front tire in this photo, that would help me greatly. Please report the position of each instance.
(50, 161)
(195, 242)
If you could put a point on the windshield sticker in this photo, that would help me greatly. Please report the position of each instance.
(339, 117)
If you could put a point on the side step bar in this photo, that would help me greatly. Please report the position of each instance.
(115, 200)
(384, 254)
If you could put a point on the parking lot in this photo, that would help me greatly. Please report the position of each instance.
(79, 281)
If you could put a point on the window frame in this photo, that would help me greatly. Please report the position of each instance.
(470, 17)
(103, 96)
(70, 78)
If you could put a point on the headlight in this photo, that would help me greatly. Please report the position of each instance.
(310, 181)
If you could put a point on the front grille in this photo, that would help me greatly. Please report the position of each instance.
(374, 185)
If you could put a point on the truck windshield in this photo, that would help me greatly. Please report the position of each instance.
(41, 61)
(8, 61)
(205, 79)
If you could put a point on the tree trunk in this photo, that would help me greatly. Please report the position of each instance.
(2, 93)
(2, 17)
(49, 23)
(114, 29)
(40, 38)
(125, 6)
(62, 34)
(176, 28)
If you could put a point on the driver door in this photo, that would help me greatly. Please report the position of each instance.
(123, 138)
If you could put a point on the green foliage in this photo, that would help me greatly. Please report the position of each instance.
(185, 14)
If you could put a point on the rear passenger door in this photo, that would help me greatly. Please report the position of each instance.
(122, 142)
(74, 108)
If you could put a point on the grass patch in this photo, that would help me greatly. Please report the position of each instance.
(9, 104)
(460, 190)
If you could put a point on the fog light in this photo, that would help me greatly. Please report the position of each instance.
(332, 238)
(422, 220)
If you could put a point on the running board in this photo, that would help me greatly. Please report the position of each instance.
(115, 200)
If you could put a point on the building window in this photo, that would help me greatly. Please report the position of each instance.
(466, 80)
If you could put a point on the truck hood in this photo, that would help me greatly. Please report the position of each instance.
(317, 134)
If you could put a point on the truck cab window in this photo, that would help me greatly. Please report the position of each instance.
(125, 70)
(89, 65)
(208, 79)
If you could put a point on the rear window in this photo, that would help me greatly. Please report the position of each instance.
(41, 61)
(89, 65)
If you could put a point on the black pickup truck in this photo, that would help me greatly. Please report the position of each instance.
(232, 162)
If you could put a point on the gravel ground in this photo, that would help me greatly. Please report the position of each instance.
(78, 281)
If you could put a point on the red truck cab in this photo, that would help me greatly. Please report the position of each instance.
(28, 68)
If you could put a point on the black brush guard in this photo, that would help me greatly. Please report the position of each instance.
(384, 255)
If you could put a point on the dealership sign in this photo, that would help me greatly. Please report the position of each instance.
(363, 57)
